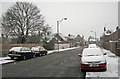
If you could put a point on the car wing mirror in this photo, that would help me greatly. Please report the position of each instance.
(105, 54)
(79, 55)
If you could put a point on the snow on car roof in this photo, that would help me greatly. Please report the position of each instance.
(15, 49)
(37, 48)
(92, 51)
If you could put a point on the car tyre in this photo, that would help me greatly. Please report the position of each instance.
(105, 69)
(34, 55)
(82, 70)
(39, 55)
(12, 58)
(24, 57)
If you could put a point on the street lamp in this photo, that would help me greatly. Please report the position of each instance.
(58, 22)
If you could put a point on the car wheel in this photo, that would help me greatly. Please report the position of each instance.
(45, 53)
(105, 69)
(24, 57)
(12, 58)
(34, 55)
(82, 70)
(39, 55)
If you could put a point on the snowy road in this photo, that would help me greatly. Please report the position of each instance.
(112, 68)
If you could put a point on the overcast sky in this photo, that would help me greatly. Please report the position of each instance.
(83, 17)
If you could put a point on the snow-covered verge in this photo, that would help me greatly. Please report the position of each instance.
(60, 50)
(4, 60)
(112, 66)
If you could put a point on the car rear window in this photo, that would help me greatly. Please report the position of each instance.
(92, 52)
(92, 46)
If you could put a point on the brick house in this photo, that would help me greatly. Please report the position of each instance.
(63, 43)
(79, 40)
(111, 41)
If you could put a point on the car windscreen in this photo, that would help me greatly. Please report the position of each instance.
(92, 46)
(35, 49)
(25, 49)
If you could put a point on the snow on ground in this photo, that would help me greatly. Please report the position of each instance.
(4, 60)
(52, 51)
(112, 67)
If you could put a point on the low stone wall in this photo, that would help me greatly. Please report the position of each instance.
(61, 46)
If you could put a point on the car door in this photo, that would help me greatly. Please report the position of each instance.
(26, 52)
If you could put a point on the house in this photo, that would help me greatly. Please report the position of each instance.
(71, 40)
(79, 40)
(65, 41)
(111, 40)
(58, 39)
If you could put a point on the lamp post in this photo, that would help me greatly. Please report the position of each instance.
(58, 22)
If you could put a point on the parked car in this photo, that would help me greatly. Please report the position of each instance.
(92, 59)
(92, 46)
(20, 53)
(39, 50)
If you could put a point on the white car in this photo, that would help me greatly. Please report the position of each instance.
(92, 46)
(92, 59)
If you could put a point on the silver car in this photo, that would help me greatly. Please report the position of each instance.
(93, 59)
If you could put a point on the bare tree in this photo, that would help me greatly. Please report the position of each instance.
(22, 20)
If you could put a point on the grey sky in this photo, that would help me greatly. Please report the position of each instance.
(82, 16)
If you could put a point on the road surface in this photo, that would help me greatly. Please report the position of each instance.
(56, 65)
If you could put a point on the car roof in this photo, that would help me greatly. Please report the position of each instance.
(15, 49)
(38, 48)
(18, 49)
(92, 51)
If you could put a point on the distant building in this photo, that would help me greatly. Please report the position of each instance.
(66, 41)
(79, 40)
(71, 40)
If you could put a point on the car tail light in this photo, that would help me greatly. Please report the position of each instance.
(84, 65)
(103, 65)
